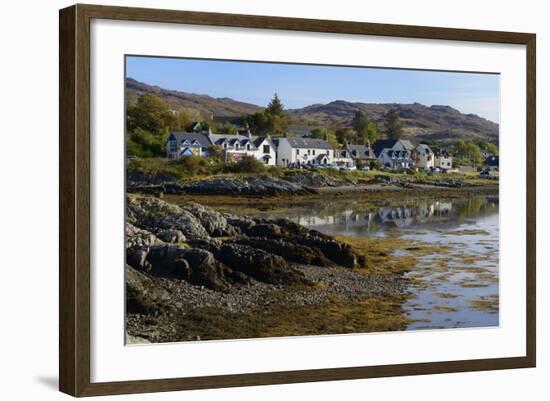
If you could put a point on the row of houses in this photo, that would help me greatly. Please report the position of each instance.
(294, 151)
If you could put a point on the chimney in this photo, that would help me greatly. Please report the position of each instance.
(248, 134)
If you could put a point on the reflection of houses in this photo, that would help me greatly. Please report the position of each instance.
(423, 156)
(394, 154)
(234, 146)
(400, 216)
(292, 151)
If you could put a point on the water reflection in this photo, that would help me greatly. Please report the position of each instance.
(351, 218)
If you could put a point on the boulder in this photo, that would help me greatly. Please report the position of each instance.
(157, 216)
(259, 264)
(214, 222)
(289, 251)
(138, 237)
(340, 253)
(143, 295)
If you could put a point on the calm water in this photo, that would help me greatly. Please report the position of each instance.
(455, 283)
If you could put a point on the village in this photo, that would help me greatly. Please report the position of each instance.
(297, 148)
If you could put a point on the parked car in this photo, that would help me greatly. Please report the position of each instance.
(365, 168)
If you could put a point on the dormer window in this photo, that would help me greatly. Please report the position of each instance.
(185, 142)
(225, 145)
(236, 145)
(247, 146)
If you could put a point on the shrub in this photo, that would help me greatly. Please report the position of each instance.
(193, 165)
(246, 164)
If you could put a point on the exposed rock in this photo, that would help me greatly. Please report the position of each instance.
(137, 237)
(257, 185)
(139, 178)
(197, 266)
(157, 216)
(312, 179)
(288, 250)
(214, 222)
(340, 253)
(171, 235)
(143, 295)
(259, 264)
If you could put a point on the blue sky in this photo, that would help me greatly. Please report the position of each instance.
(302, 85)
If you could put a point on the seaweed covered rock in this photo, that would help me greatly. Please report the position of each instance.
(196, 266)
(259, 264)
(289, 251)
(142, 294)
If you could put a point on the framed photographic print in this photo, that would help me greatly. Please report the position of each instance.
(250, 200)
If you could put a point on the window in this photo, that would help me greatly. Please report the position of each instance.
(173, 146)
(266, 149)
(297, 151)
(236, 146)
(313, 151)
(309, 151)
(247, 146)
(225, 145)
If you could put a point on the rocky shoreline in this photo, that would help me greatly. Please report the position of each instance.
(190, 267)
(294, 183)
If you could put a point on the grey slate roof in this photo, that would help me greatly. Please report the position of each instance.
(423, 148)
(308, 143)
(362, 152)
(382, 144)
(202, 139)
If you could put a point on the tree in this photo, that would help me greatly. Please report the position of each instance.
(151, 114)
(275, 107)
(491, 148)
(327, 134)
(474, 153)
(348, 135)
(392, 124)
(372, 132)
(273, 119)
(180, 121)
(360, 124)
(228, 129)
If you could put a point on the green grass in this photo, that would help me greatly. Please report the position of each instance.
(203, 168)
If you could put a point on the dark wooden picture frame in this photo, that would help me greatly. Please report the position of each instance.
(74, 203)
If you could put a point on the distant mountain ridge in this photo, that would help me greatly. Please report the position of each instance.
(438, 122)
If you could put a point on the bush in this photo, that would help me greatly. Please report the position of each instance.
(246, 164)
(194, 165)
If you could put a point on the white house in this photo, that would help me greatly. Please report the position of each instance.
(394, 154)
(234, 146)
(303, 151)
(342, 157)
(443, 159)
(237, 146)
(423, 156)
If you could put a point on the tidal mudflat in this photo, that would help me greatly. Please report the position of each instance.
(448, 248)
